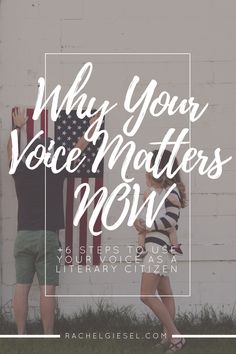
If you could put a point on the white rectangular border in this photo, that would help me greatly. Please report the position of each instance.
(190, 186)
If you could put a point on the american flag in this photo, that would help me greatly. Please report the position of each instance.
(66, 131)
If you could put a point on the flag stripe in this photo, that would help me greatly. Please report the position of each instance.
(98, 224)
(44, 122)
(83, 228)
(69, 216)
(30, 125)
(19, 135)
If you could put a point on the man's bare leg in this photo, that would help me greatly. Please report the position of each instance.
(47, 308)
(20, 304)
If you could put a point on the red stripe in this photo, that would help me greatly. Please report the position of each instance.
(83, 229)
(69, 219)
(44, 123)
(30, 124)
(12, 126)
(98, 224)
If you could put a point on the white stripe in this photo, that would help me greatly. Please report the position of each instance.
(90, 211)
(50, 128)
(37, 126)
(76, 235)
(62, 234)
(30, 336)
(203, 335)
(23, 138)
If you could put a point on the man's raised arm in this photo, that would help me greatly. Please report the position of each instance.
(82, 142)
(19, 119)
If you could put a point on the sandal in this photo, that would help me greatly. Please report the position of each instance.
(176, 250)
(175, 347)
(164, 344)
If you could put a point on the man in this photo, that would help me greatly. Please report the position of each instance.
(29, 249)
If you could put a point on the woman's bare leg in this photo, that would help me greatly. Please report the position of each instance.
(164, 288)
(173, 237)
(149, 285)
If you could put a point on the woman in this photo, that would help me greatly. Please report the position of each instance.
(157, 243)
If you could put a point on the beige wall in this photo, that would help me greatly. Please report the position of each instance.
(204, 28)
